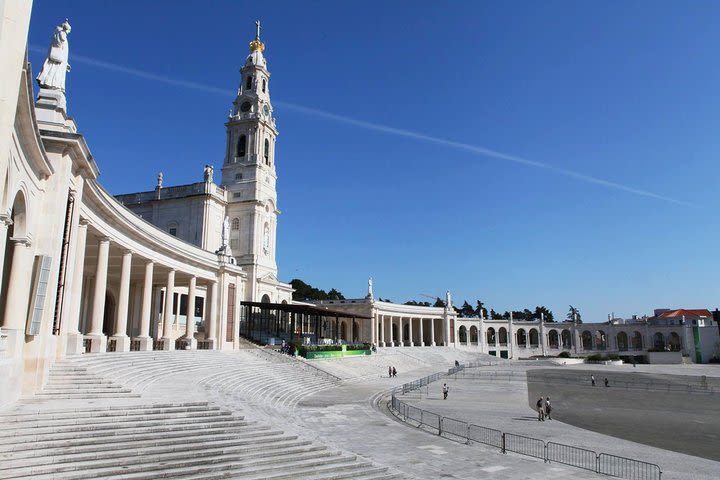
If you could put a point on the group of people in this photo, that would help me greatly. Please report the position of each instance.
(543, 409)
(592, 381)
(392, 372)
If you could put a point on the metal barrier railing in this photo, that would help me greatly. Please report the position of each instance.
(574, 456)
(635, 384)
(532, 447)
(627, 468)
(465, 432)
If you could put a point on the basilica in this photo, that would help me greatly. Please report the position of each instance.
(187, 266)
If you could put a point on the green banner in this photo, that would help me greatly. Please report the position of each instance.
(698, 351)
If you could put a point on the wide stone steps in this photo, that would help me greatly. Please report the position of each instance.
(184, 440)
(196, 447)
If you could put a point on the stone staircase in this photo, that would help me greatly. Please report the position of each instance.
(67, 381)
(96, 419)
(193, 440)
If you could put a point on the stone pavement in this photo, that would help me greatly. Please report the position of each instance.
(502, 403)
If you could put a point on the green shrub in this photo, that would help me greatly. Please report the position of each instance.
(613, 357)
(564, 355)
(595, 357)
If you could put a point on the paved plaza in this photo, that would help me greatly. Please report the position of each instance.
(315, 425)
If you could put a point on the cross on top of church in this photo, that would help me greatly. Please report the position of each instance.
(257, 29)
(257, 45)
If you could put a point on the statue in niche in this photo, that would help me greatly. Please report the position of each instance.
(56, 64)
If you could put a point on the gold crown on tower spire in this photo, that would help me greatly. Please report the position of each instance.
(257, 45)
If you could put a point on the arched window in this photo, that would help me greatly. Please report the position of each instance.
(264, 85)
(248, 83)
(235, 224)
(267, 152)
(242, 146)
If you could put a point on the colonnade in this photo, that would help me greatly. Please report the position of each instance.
(399, 331)
(149, 275)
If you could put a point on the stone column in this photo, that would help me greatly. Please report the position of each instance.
(482, 338)
(97, 338)
(511, 337)
(191, 343)
(432, 332)
(211, 316)
(382, 330)
(145, 340)
(122, 341)
(373, 328)
(422, 336)
(18, 294)
(543, 341)
(392, 335)
(410, 331)
(401, 332)
(167, 341)
(74, 337)
(238, 299)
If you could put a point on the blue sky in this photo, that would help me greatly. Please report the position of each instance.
(612, 108)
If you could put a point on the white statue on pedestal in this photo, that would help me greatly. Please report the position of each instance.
(370, 289)
(225, 234)
(56, 65)
(448, 299)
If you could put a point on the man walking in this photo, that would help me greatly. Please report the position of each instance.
(541, 409)
(548, 408)
(592, 380)
(445, 391)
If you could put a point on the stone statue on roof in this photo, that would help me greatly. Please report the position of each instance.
(56, 64)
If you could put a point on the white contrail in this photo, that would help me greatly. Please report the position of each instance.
(485, 152)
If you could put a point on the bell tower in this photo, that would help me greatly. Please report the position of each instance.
(248, 172)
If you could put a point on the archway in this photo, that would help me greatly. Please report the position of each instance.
(566, 339)
(394, 336)
(637, 341)
(587, 342)
(265, 298)
(674, 342)
(406, 334)
(601, 340)
(521, 338)
(659, 341)
(474, 335)
(462, 335)
(534, 338)
(343, 330)
(490, 336)
(356, 331)
(622, 341)
(553, 339)
(503, 336)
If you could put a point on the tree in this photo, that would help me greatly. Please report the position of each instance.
(495, 315)
(466, 310)
(335, 295)
(539, 311)
(415, 303)
(303, 291)
(439, 303)
(573, 315)
(480, 309)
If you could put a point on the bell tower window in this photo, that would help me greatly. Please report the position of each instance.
(267, 152)
(242, 146)
(264, 85)
(248, 82)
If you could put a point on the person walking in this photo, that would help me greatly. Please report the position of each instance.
(607, 384)
(548, 408)
(540, 409)
(592, 380)
(389, 372)
(445, 391)
(394, 372)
